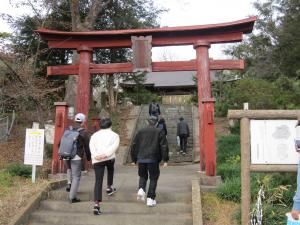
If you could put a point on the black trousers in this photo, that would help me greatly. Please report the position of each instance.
(99, 173)
(183, 142)
(152, 171)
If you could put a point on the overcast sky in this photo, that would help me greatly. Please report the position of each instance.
(182, 13)
(199, 12)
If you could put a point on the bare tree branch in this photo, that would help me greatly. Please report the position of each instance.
(14, 73)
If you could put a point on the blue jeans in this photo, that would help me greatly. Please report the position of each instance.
(296, 198)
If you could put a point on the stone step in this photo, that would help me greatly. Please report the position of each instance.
(87, 218)
(117, 207)
(121, 197)
(171, 114)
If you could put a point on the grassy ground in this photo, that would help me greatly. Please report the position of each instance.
(15, 192)
(216, 211)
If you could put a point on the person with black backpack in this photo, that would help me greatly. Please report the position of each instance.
(154, 109)
(162, 125)
(73, 145)
(104, 144)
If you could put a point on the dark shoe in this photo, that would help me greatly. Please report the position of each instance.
(68, 188)
(74, 200)
(110, 191)
(96, 210)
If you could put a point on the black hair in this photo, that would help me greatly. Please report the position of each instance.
(105, 123)
(162, 120)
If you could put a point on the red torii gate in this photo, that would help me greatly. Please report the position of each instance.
(141, 40)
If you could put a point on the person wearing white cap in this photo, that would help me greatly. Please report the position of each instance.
(75, 164)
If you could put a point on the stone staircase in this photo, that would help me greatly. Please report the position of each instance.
(173, 201)
(171, 114)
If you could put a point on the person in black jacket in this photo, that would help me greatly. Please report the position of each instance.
(162, 125)
(183, 132)
(154, 109)
(148, 149)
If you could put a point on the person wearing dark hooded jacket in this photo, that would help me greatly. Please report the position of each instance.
(148, 149)
(162, 125)
(183, 132)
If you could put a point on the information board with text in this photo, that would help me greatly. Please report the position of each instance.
(273, 142)
(34, 147)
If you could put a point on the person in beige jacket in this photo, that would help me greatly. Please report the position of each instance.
(103, 146)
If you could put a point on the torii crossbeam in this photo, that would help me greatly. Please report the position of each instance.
(142, 40)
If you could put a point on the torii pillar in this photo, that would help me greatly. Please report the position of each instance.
(206, 110)
(84, 79)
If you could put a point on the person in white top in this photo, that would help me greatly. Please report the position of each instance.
(296, 206)
(103, 146)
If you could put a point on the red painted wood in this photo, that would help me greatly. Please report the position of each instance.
(62, 70)
(204, 92)
(166, 36)
(244, 24)
(111, 68)
(69, 42)
(209, 137)
(156, 67)
(203, 36)
(95, 124)
(61, 122)
(83, 84)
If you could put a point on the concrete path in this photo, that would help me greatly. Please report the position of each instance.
(174, 197)
(173, 201)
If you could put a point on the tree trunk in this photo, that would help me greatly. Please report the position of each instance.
(111, 93)
(71, 85)
(79, 25)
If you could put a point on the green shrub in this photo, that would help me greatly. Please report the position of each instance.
(274, 214)
(227, 147)
(235, 129)
(6, 181)
(230, 189)
(19, 170)
(229, 170)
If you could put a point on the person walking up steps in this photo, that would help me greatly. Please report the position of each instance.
(104, 144)
(154, 109)
(149, 147)
(183, 132)
(74, 161)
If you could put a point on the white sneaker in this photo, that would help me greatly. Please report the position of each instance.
(141, 195)
(151, 202)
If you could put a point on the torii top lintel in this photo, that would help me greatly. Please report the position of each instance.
(165, 36)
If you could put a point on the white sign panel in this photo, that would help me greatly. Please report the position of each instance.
(273, 142)
(34, 147)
